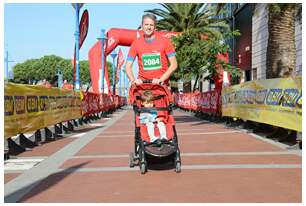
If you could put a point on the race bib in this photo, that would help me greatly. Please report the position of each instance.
(151, 61)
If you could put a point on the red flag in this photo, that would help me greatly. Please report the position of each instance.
(94, 57)
(83, 27)
(120, 62)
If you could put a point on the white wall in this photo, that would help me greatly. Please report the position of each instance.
(298, 45)
(260, 41)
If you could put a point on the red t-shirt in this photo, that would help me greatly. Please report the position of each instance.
(152, 56)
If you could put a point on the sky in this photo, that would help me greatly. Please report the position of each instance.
(33, 30)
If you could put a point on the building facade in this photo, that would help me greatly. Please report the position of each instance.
(248, 51)
(250, 48)
(260, 41)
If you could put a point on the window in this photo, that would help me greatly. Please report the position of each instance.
(254, 74)
(248, 75)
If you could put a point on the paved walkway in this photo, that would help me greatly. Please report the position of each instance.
(218, 165)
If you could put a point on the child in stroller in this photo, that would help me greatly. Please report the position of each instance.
(161, 105)
(151, 117)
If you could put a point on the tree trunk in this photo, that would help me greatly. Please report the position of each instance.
(195, 83)
(281, 51)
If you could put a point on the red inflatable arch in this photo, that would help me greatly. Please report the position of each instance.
(115, 37)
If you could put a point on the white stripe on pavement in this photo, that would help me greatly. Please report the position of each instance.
(187, 167)
(77, 135)
(178, 130)
(194, 154)
(179, 134)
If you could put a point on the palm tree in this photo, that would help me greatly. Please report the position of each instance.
(281, 50)
(183, 17)
(191, 18)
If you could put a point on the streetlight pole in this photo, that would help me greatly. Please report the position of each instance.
(102, 38)
(120, 82)
(77, 39)
(114, 54)
(6, 66)
(124, 82)
(6, 61)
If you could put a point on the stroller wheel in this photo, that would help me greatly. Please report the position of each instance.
(178, 167)
(132, 164)
(143, 168)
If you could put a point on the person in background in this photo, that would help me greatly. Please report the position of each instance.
(66, 85)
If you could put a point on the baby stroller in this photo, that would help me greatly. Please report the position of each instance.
(163, 101)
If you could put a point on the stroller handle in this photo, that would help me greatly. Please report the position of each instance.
(149, 81)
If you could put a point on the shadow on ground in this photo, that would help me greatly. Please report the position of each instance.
(186, 119)
(87, 129)
(165, 163)
(41, 185)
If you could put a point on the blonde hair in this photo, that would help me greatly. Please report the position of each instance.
(150, 16)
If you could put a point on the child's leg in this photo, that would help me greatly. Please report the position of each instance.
(150, 128)
(162, 130)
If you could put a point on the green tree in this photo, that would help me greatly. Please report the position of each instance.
(196, 57)
(23, 72)
(201, 39)
(110, 71)
(281, 50)
(84, 72)
(46, 68)
(66, 66)
(181, 17)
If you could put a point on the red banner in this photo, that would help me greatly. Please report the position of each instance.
(83, 27)
(207, 102)
(115, 37)
(94, 57)
(120, 62)
(93, 103)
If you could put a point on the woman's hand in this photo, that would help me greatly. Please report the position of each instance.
(137, 82)
(156, 81)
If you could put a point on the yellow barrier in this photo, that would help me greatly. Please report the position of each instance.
(29, 107)
(272, 101)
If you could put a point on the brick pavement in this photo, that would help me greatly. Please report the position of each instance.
(218, 165)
